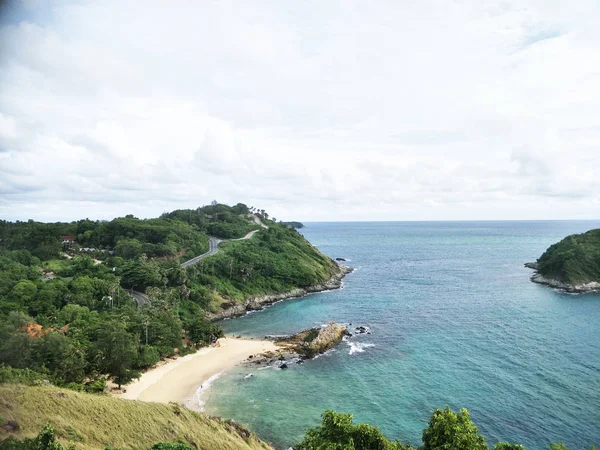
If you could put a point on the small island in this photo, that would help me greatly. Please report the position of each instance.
(572, 264)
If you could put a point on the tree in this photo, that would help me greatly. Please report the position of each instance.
(200, 331)
(337, 432)
(508, 446)
(46, 440)
(23, 292)
(448, 430)
(116, 352)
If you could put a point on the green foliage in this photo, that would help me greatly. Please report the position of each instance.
(222, 221)
(448, 430)
(200, 331)
(170, 446)
(337, 432)
(22, 376)
(575, 259)
(46, 440)
(148, 356)
(116, 352)
(312, 335)
(83, 324)
(274, 260)
(508, 446)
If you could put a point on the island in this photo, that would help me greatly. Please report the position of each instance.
(572, 264)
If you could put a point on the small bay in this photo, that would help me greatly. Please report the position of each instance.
(454, 319)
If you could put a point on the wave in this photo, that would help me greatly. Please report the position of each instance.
(195, 402)
(358, 347)
(328, 352)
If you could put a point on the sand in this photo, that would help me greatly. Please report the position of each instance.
(179, 379)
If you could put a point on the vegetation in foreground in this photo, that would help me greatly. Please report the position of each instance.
(574, 260)
(65, 309)
(86, 421)
(90, 421)
(447, 430)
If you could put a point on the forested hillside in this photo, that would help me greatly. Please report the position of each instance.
(575, 259)
(65, 304)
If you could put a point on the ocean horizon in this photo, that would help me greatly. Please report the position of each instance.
(454, 320)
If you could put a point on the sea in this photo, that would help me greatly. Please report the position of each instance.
(454, 320)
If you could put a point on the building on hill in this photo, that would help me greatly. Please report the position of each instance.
(68, 241)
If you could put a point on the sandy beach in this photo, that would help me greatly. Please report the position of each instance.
(179, 379)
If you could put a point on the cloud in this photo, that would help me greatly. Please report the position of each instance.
(313, 111)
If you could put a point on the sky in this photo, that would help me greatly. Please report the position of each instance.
(312, 110)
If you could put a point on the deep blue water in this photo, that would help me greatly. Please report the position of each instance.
(454, 319)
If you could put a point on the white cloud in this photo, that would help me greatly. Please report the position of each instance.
(312, 110)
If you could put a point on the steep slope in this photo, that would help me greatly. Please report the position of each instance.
(96, 421)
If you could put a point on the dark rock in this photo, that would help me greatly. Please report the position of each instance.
(8, 406)
(341, 259)
(251, 356)
(283, 366)
(11, 425)
(281, 358)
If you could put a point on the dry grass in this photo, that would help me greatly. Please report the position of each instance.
(95, 421)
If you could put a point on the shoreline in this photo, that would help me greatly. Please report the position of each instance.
(179, 380)
(184, 379)
(583, 288)
(260, 302)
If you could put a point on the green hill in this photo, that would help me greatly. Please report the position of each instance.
(65, 304)
(97, 421)
(575, 260)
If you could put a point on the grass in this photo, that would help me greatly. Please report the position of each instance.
(56, 265)
(98, 421)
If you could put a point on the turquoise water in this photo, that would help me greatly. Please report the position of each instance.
(454, 319)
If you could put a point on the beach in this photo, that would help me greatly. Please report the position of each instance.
(179, 380)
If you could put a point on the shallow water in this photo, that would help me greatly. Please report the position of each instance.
(454, 320)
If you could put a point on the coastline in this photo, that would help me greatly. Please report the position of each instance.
(259, 302)
(178, 380)
(582, 288)
(182, 380)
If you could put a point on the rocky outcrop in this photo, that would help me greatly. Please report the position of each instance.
(259, 302)
(310, 343)
(581, 288)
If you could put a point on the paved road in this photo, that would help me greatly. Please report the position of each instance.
(213, 247)
(140, 297)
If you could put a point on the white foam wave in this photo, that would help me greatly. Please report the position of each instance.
(328, 352)
(196, 402)
(358, 347)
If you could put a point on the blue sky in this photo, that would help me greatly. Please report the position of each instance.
(312, 110)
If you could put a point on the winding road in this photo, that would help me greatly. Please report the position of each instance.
(213, 247)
